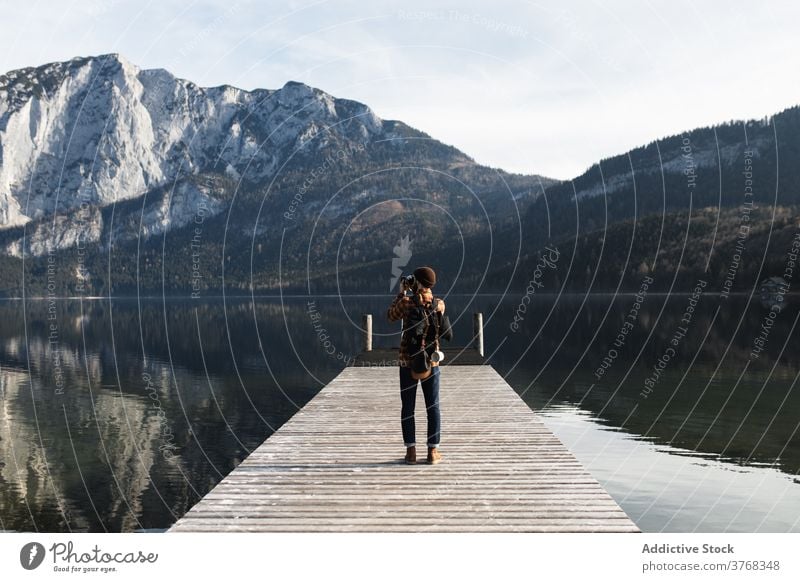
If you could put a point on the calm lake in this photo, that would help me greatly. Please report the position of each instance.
(119, 415)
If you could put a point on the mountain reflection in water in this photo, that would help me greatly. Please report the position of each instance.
(120, 416)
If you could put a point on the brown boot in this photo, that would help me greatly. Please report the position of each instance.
(433, 455)
(411, 455)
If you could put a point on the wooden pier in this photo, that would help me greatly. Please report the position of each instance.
(337, 466)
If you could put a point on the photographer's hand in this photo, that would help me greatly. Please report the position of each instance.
(397, 310)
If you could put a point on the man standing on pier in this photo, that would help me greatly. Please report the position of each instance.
(416, 295)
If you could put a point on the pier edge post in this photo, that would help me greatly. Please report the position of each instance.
(367, 325)
(477, 331)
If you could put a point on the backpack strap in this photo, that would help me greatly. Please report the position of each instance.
(415, 299)
(434, 319)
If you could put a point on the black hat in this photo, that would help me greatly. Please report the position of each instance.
(426, 276)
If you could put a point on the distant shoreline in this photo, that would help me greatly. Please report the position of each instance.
(345, 295)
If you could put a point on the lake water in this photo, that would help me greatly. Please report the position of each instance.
(119, 416)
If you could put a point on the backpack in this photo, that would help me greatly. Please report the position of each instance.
(425, 326)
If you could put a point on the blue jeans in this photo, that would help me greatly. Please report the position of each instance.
(408, 398)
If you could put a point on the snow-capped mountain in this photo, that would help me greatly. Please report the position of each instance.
(80, 138)
(110, 164)
(100, 130)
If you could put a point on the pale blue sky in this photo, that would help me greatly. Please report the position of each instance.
(533, 87)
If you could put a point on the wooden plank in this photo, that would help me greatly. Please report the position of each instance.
(388, 357)
(342, 526)
(337, 465)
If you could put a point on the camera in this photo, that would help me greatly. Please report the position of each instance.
(437, 356)
(408, 281)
